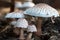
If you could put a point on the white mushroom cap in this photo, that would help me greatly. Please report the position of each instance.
(15, 15)
(18, 5)
(32, 28)
(21, 23)
(8, 15)
(42, 10)
(13, 23)
(28, 4)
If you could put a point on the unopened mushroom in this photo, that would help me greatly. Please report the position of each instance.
(31, 28)
(41, 10)
(21, 24)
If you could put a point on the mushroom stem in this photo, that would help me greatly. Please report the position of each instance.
(39, 23)
(29, 36)
(21, 34)
(16, 31)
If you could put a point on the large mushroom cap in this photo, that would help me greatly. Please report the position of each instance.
(28, 4)
(18, 5)
(15, 15)
(21, 23)
(32, 28)
(42, 10)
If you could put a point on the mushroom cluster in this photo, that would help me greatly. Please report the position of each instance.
(21, 24)
(40, 11)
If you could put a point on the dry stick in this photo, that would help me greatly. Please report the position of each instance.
(5, 29)
(21, 34)
(52, 19)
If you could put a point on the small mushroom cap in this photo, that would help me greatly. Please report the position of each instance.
(21, 23)
(8, 15)
(28, 4)
(32, 28)
(18, 15)
(13, 23)
(15, 15)
(42, 10)
(18, 5)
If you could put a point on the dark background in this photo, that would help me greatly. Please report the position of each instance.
(54, 3)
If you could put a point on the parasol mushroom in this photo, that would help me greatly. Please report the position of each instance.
(21, 24)
(41, 11)
(31, 28)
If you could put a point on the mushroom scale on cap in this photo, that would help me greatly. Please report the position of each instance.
(42, 10)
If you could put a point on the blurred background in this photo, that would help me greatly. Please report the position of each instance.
(6, 5)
